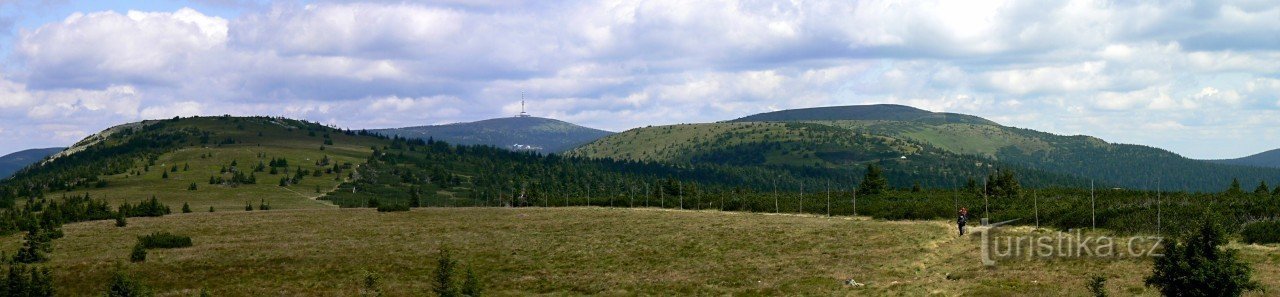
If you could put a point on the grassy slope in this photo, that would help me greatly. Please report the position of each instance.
(572, 251)
(961, 138)
(677, 142)
(276, 141)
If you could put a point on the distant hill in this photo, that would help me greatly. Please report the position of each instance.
(516, 133)
(225, 159)
(878, 112)
(906, 130)
(1269, 158)
(16, 161)
(835, 152)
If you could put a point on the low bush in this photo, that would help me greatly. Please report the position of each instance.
(139, 253)
(21, 281)
(1261, 232)
(164, 240)
(123, 285)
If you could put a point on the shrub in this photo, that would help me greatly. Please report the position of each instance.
(123, 285)
(471, 285)
(164, 240)
(370, 286)
(35, 248)
(120, 220)
(23, 282)
(248, 206)
(146, 208)
(1199, 267)
(1261, 232)
(186, 208)
(1098, 286)
(139, 253)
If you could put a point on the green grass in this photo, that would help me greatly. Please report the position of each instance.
(960, 138)
(276, 140)
(799, 144)
(572, 251)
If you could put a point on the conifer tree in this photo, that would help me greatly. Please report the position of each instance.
(873, 183)
(123, 285)
(414, 197)
(1199, 267)
(471, 285)
(1235, 187)
(139, 253)
(120, 219)
(444, 276)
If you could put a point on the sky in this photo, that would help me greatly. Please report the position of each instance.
(1201, 79)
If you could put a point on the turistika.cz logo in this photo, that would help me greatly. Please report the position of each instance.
(1057, 245)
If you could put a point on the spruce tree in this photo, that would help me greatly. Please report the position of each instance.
(444, 276)
(471, 285)
(1235, 187)
(186, 208)
(124, 286)
(414, 197)
(120, 220)
(139, 253)
(1262, 189)
(1200, 267)
(35, 248)
(873, 183)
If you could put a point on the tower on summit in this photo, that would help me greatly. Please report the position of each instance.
(522, 113)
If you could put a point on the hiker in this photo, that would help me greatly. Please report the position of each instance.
(964, 218)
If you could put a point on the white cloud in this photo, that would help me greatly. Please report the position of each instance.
(104, 48)
(1067, 66)
(184, 108)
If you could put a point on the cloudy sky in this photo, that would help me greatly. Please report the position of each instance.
(1200, 79)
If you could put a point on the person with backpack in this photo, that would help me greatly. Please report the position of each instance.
(962, 219)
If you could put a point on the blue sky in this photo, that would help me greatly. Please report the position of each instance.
(1197, 78)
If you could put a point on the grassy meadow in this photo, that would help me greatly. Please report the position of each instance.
(572, 251)
(256, 141)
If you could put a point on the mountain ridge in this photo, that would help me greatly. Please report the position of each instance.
(1269, 159)
(517, 133)
(880, 112)
(11, 163)
(1121, 165)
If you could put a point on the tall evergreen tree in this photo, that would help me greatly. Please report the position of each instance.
(1235, 187)
(444, 276)
(414, 197)
(874, 182)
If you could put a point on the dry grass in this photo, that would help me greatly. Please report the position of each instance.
(571, 251)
